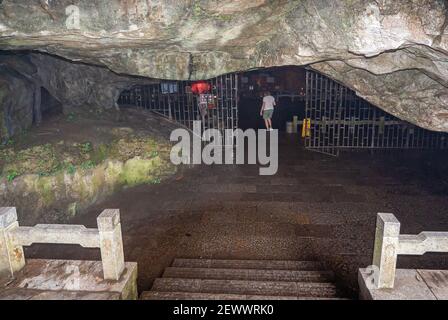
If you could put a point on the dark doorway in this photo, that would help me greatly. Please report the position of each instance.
(286, 84)
(49, 105)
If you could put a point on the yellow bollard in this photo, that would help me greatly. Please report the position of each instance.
(306, 128)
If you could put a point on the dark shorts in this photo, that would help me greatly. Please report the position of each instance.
(267, 114)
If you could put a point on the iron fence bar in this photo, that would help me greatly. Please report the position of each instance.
(339, 118)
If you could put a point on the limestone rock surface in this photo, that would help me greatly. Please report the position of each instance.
(393, 53)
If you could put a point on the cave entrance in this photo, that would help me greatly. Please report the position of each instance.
(286, 84)
(49, 106)
(319, 112)
(232, 101)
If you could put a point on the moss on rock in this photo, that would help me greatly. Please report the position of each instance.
(125, 162)
(138, 171)
(45, 188)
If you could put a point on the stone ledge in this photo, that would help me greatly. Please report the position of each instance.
(410, 284)
(32, 294)
(71, 278)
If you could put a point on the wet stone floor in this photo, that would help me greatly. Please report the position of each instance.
(316, 207)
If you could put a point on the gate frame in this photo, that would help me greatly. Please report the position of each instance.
(341, 120)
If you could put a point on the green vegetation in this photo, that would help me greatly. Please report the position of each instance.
(86, 165)
(12, 175)
(197, 9)
(71, 169)
(52, 158)
(137, 171)
(156, 181)
(86, 147)
(223, 17)
(64, 168)
(71, 117)
(45, 189)
(152, 154)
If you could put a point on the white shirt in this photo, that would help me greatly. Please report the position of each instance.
(269, 102)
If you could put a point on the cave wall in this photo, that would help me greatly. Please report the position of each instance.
(17, 96)
(73, 85)
(78, 84)
(393, 53)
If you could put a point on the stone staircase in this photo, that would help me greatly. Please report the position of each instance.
(213, 279)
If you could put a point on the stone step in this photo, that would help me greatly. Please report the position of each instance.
(242, 287)
(49, 277)
(157, 295)
(249, 274)
(249, 264)
(33, 294)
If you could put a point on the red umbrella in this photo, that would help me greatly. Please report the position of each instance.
(200, 87)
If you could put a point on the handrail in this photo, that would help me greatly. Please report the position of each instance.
(107, 237)
(389, 244)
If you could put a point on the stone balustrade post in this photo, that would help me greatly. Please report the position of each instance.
(386, 249)
(111, 243)
(12, 258)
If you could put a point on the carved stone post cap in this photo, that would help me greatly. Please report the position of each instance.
(389, 224)
(8, 215)
(388, 217)
(108, 219)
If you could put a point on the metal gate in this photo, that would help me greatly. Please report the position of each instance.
(338, 119)
(174, 100)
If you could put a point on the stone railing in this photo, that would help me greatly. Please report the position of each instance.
(389, 244)
(107, 238)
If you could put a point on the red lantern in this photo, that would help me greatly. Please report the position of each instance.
(200, 87)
